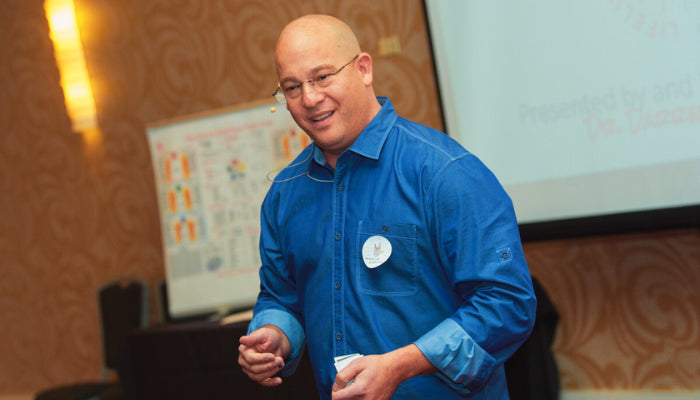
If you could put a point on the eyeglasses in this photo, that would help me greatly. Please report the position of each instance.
(292, 90)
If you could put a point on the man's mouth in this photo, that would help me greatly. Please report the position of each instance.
(321, 117)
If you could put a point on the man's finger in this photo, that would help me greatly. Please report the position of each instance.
(339, 383)
(260, 372)
(251, 340)
(268, 367)
(270, 382)
(345, 376)
(253, 357)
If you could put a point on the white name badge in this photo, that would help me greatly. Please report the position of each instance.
(376, 251)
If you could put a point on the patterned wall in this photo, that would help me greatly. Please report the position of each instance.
(629, 309)
(77, 211)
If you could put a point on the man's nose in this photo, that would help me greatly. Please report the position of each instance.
(310, 95)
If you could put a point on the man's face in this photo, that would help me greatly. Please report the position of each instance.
(332, 116)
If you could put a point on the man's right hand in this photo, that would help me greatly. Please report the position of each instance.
(262, 354)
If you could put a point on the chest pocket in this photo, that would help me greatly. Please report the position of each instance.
(397, 276)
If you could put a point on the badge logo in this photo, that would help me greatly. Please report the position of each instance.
(376, 251)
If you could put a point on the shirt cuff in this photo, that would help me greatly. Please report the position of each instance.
(287, 324)
(462, 363)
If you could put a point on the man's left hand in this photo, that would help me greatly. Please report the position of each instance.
(376, 377)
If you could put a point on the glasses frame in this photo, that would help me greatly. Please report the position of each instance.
(279, 93)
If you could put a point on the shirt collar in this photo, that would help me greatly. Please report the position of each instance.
(370, 142)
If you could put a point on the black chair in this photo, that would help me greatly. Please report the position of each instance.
(532, 372)
(123, 307)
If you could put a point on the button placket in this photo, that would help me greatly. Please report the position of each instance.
(339, 211)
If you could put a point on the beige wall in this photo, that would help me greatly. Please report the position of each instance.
(77, 211)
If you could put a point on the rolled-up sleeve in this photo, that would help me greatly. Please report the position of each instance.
(450, 349)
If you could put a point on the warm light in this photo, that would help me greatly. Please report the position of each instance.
(71, 64)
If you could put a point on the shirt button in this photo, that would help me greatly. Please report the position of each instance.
(337, 285)
(340, 187)
(338, 336)
(338, 236)
(385, 228)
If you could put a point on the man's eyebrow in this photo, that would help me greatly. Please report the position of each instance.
(289, 80)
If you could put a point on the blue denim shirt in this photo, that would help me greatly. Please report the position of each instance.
(455, 281)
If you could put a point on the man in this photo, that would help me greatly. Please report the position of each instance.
(384, 238)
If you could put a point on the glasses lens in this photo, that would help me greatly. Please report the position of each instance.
(279, 95)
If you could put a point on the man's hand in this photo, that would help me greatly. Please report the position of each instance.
(376, 377)
(262, 354)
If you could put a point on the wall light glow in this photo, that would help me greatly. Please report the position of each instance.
(71, 64)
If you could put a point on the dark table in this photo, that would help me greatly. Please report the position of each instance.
(199, 361)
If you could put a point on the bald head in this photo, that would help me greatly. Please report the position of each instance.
(317, 32)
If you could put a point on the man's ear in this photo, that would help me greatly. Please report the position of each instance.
(364, 63)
